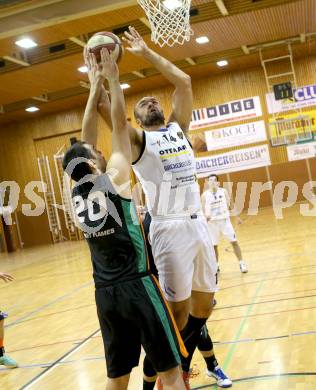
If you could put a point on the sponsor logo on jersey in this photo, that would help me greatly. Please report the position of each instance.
(165, 140)
(180, 134)
(178, 165)
(172, 150)
(100, 234)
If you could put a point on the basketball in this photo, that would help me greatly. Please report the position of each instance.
(106, 40)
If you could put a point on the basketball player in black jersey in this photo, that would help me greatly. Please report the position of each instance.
(187, 272)
(130, 307)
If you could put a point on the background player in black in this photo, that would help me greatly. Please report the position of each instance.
(130, 307)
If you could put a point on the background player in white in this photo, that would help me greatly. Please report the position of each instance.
(164, 164)
(215, 202)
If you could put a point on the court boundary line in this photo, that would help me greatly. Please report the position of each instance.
(260, 377)
(233, 347)
(56, 362)
(262, 302)
(40, 308)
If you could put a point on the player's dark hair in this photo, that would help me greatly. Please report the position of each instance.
(213, 175)
(81, 169)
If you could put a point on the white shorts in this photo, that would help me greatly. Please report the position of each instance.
(224, 227)
(184, 256)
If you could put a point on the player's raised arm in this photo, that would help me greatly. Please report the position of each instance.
(119, 164)
(182, 96)
(104, 107)
(89, 133)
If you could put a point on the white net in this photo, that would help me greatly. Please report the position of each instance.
(169, 20)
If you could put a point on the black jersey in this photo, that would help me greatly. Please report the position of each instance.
(111, 228)
(146, 224)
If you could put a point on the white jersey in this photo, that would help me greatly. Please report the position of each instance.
(216, 204)
(166, 170)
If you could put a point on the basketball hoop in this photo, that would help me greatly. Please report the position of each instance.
(169, 20)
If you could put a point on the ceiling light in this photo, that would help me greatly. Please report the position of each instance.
(172, 4)
(222, 63)
(32, 109)
(202, 40)
(26, 43)
(125, 86)
(83, 69)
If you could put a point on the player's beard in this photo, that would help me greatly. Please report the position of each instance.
(154, 118)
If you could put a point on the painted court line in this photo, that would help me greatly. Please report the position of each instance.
(61, 298)
(57, 362)
(262, 302)
(241, 327)
(260, 378)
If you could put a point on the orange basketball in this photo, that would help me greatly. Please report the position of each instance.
(108, 40)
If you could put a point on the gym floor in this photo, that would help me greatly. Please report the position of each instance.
(263, 325)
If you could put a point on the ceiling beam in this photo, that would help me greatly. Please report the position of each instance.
(56, 12)
(42, 98)
(16, 60)
(139, 74)
(145, 21)
(190, 61)
(84, 84)
(245, 49)
(78, 41)
(221, 6)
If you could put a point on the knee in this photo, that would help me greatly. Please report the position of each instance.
(120, 383)
(170, 377)
(202, 305)
(202, 312)
(181, 318)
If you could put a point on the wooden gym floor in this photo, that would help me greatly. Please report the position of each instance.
(264, 324)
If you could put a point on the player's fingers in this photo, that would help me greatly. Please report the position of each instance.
(105, 55)
(136, 33)
(111, 55)
(90, 61)
(103, 59)
(132, 31)
(129, 36)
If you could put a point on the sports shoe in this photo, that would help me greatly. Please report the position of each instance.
(7, 361)
(243, 267)
(186, 378)
(222, 379)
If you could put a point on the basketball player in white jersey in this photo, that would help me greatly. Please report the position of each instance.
(215, 202)
(165, 166)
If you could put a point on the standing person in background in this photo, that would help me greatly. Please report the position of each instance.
(215, 202)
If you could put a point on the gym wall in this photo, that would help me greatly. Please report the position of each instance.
(23, 142)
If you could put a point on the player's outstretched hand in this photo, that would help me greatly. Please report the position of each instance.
(109, 66)
(136, 43)
(94, 70)
(6, 277)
